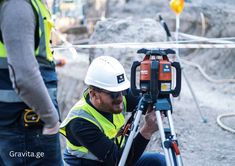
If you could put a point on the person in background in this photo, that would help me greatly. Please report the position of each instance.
(29, 115)
(92, 125)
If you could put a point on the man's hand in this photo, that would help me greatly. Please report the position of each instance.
(51, 130)
(150, 124)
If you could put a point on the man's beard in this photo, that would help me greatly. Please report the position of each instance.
(113, 107)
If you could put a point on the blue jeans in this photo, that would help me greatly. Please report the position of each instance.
(28, 147)
(151, 159)
(147, 159)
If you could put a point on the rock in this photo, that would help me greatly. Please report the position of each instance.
(123, 31)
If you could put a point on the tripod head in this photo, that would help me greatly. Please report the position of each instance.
(156, 74)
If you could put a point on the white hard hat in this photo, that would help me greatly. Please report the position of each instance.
(107, 73)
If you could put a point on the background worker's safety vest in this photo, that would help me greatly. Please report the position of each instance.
(43, 55)
(83, 110)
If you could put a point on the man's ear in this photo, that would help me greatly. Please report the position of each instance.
(91, 93)
(94, 96)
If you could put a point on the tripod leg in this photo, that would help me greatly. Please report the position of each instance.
(174, 144)
(163, 138)
(171, 125)
(130, 139)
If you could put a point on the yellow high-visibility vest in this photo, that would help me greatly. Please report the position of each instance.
(83, 110)
(43, 49)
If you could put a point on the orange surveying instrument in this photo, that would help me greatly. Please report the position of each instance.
(155, 88)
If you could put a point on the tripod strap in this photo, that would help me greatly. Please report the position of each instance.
(125, 129)
(174, 146)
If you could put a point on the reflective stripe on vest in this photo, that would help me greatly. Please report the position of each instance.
(3, 63)
(85, 111)
(45, 26)
(10, 96)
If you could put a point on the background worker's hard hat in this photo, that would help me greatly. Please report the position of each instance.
(107, 73)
